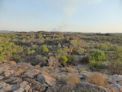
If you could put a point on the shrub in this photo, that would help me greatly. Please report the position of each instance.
(44, 48)
(64, 60)
(53, 61)
(40, 36)
(30, 51)
(97, 58)
(62, 51)
(98, 55)
(97, 65)
(81, 51)
(7, 49)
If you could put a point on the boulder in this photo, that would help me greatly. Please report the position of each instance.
(13, 80)
(15, 87)
(4, 87)
(1, 77)
(31, 73)
(49, 79)
(24, 87)
(40, 78)
(35, 85)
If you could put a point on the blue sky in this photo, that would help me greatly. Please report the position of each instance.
(61, 15)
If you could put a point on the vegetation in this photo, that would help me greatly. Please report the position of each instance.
(116, 67)
(97, 57)
(97, 50)
(98, 79)
(64, 60)
(72, 79)
(44, 48)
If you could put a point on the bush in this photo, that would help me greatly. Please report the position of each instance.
(30, 51)
(98, 55)
(81, 51)
(64, 60)
(62, 51)
(53, 61)
(8, 49)
(44, 49)
(97, 58)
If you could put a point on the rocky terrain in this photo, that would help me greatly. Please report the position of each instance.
(23, 77)
(60, 62)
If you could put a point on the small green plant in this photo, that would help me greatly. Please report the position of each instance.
(30, 51)
(44, 48)
(64, 60)
(62, 51)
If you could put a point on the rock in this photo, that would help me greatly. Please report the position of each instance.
(86, 74)
(15, 87)
(82, 76)
(80, 59)
(4, 87)
(24, 87)
(31, 73)
(82, 87)
(49, 79)
(1, 77)
(1, 70)
(40, 78)
(115, 79)
(13, 80)
(22, 68)
(115, 82)
(9, 72)
(35, 85)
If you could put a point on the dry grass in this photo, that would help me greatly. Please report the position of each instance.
(71, 69)
(98, 79)
(72, 79)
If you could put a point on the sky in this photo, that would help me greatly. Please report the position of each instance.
(61, 15)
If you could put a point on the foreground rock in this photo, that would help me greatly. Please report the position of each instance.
(24, 77)
(82, 87)
(115, 82)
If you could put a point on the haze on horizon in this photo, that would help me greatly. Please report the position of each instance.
(61, 15)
